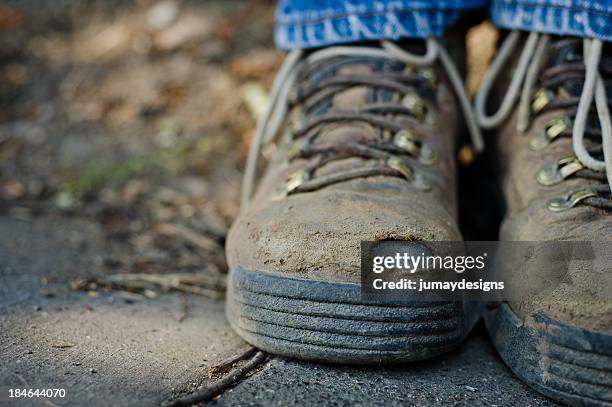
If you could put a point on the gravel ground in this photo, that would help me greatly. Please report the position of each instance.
(473, 375)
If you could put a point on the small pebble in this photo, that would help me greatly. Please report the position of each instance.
(93, 371)
(470, 388)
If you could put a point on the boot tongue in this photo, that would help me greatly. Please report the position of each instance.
(352, 99)
(566, 51)
(570, 52)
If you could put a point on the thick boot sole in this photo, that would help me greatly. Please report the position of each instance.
(328, 322)
(563, 362)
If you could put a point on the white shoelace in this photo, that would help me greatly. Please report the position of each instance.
(268, 125)
(529, 64)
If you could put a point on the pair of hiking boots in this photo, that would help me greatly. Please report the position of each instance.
(362, 144)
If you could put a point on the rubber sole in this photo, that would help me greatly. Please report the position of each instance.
(563, 362)
(328, 322)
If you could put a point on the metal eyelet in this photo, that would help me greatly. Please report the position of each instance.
(551, 174)
(570, 200)
(295, 180)
(540, 99)
(407, 141)
(430, 75)
(402, 167)
(416, 105)
(295, 149)
(418, 180)
(551, 131)
(292, 182)
(298, 125)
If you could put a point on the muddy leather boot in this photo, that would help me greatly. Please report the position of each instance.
(559, 340)
(365, 153)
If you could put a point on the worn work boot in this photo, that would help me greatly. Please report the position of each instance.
(553, 175)
(366, 153)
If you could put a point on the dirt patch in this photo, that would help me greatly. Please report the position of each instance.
(132, 116)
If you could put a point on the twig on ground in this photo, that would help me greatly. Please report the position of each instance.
(190, 235)
(194, 283)
(220, 385)
(131, 296)
(179, 281)
(225, 365)
(62, 345)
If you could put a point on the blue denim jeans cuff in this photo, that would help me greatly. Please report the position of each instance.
(308, 24)
(583, 18)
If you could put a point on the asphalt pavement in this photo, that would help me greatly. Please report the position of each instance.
(106, 350)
